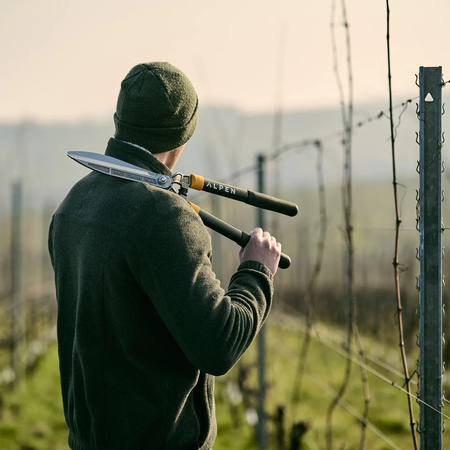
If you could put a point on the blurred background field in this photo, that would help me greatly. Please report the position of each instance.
(274, 79)
(45, 174)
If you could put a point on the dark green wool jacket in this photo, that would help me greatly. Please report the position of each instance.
(143, 324)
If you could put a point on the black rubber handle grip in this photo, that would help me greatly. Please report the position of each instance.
(233, 233)
(257, 199)
(285, 260)
(272, 203)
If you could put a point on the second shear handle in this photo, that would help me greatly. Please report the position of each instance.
(232, 233)
(243, 195)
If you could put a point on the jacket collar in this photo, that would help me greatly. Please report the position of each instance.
(135, 155)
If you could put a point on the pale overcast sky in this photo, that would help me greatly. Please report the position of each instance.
(64, 60)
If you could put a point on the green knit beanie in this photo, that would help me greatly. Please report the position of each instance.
(157, 107)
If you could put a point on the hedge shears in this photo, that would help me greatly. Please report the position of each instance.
(180, 184)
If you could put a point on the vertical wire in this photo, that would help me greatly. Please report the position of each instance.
(349, 231)
(310, 293)
(347, 119)
(398, 222)
(344, 383)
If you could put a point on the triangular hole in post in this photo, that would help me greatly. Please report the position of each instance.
(429, 98)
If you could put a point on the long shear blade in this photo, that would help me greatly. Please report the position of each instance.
(121, 169)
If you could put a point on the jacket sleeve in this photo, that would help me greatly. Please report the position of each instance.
(212, 327)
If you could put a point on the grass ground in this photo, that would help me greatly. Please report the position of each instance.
(324, 370)
(32, 418)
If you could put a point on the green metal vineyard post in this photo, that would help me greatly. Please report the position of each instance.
(430, 327)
